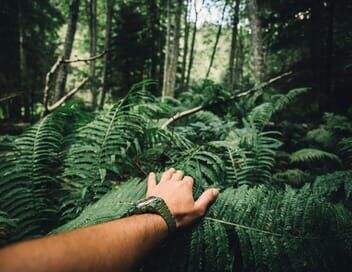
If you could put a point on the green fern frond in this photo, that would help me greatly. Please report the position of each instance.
(294, 177)
(28, 182)
(272, 230)
(310, 155)
(282, 101)
(333, 184)
(345, 149)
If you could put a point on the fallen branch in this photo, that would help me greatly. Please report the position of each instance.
(10, 96)
(84, 59)
(48, 77)
(53, 70)
(65, 97)
(180, 115)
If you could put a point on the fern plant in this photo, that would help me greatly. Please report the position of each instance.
(251, 229)
(90, 170)
(28, 171)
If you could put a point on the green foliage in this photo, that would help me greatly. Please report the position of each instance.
(337, 185)
(345, 148)
(72, 170)
(29, 178)
(306, 155)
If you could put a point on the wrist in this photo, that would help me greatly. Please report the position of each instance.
(157, 223)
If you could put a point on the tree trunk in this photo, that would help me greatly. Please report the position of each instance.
(330, 65)
(185, 45)
(172, 48)
(12, 42)
(154, 25)
(239, 60)
(235, 19)
(216, 41)
(24, 86)
(257, 40)
(193, 41)
(69, 39)
(106, 67)
(316, 52)
(92, 23)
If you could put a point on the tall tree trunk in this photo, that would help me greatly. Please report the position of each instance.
(107, 41)
(92, 29)
(69, 39)
(24, 86)
(153, 27)
(12, 43)
(193, 41)
(235, 20)
(257, 40)
(239, 59)
(216, 41)
(330, 65)
(185, 45)
(172, 48)
(316, 51)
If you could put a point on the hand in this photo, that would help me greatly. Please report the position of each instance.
(176, 190)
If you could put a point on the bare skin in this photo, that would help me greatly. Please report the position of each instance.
(118, 245)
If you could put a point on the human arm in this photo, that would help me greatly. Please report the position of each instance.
(118, 245)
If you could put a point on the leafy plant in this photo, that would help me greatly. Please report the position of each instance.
(72, 170)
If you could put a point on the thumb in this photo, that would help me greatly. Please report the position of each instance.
(151, 181)
(207, 198)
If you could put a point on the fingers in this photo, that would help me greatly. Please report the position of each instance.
(178, 175)
(189, 181)
(204, 201)
(167, 175)
(151, 181)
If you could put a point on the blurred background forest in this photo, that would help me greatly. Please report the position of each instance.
(99, 49)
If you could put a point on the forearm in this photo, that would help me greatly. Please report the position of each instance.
(114, 246)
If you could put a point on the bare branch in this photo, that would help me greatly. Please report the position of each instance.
(85, 59)
(10, 96)
(65, 97)
(48, 77)
(180, 115)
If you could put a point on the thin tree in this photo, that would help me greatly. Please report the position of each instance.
(185, 44)
(69, 39)
(257, 40)
(330, 65)
(172, 47)
(92, 30)
(235, 20)
(108, 25)
(193, 41)
(22, 62)
(216, 41)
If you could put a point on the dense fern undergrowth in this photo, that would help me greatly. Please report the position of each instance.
(285, 202)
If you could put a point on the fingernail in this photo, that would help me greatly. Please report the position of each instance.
(151, 174)
(215, 192)
(172, 169)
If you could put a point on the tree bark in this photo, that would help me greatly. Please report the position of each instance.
(216, 41)
(92, 29)
(172, 48)
(191, 53)
(330, 65)
(185, 45)
(69, 39)
(107, 41)
(24, 86)
(13, 72)
(235, 20)
(257, 40)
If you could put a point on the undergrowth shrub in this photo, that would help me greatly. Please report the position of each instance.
(278, 208)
